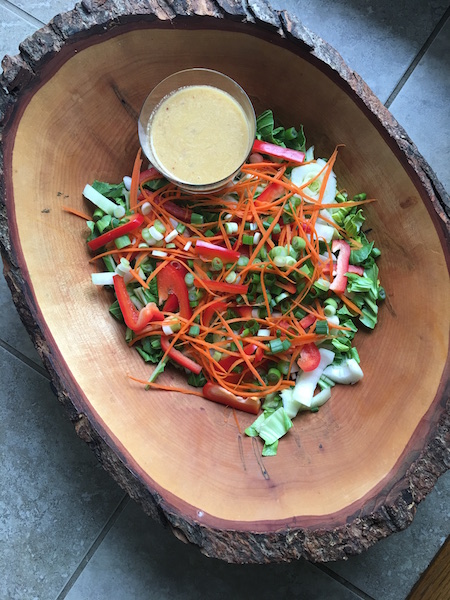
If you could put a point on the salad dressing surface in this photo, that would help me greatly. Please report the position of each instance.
(199, 134)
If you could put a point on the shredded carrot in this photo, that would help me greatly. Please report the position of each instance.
(77, 213)
(135, 181)
(167, 388)
(350, 304)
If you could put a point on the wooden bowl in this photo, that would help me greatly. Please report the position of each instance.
(344, 477)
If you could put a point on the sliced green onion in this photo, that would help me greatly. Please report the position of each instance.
(298, 243)
(243, 261)
(283, 366)
(123, 267)
(194, 330)
(156, 234)
(329, 310)
(273, 375)
(322, 285)
(280, 261)
(196, 219)
(278, 251)
(105, 278)
(146, 208)
(103, 223)
(322, 327)
(263, 333)
(276, 346)
(331, 302)
(217, 355)
(171, 236)
(98, 214)
(147, 236)
(99, 200)
(290, 261)
(286, 345)
(216, 264)
(159, 226)
(231, 277)
(122, 242)
(281, 297)
(119, 211)
(159, 253)
(189, 279)
(231, 227)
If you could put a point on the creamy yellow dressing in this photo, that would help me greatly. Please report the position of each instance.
(199, 134)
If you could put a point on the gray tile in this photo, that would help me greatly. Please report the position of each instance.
(388, 570)
(378, 40)
(54, 496)
(13, 29)
(139, 560)
(44, 10)
(423, 105)
(11, 329)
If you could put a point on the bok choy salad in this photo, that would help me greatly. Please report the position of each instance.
(256, 293)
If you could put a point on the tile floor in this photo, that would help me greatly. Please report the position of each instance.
(78, 537)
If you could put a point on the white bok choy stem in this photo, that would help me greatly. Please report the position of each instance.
(305, 385)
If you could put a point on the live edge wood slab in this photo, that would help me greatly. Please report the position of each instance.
(345, 477)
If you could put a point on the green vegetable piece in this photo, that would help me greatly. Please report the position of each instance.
(122, 242)
(194, 330)
(270, 449)
(275, 426)
(109, 190)
(322, 327)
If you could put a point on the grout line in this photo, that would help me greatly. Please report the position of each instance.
(90, 553)
(28, 361)
(348, 584)
(22, 13)
(407, 74)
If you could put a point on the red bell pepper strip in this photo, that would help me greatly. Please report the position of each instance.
(216, 393)
(171, 281)
(278, 151)
(272, 192)
(246, 312)
(208, 250)
(309, 357)
(356, 269)
(134, 319)
(209, 312)
(149, 174)
(179, 357)
(179, 212)
(221, 286)
(307, 321)
(339, 283)
(171, 304)
(135, 222)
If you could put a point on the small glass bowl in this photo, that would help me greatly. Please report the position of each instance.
(189, 77)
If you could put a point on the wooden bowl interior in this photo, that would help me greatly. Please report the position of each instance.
(81, 125)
